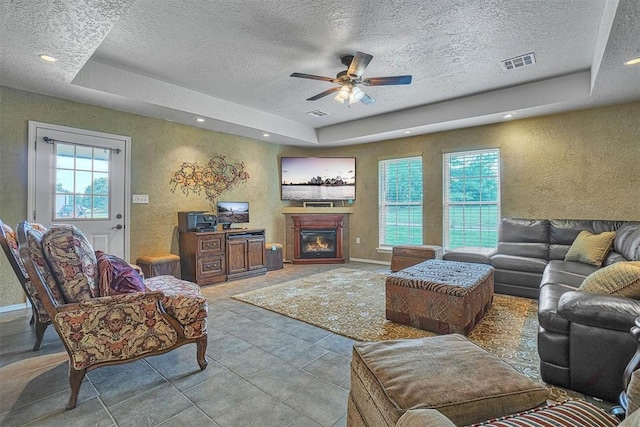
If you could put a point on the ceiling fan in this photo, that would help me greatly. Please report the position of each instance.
(351, 78)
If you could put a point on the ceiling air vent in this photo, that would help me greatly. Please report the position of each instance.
(520, 61)
(317, 113)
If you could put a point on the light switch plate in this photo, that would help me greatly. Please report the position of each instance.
(140, 198)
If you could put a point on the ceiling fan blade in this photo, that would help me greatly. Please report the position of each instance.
(311, 76)
(323, 94)
(358, 64)
(382, 81)
(366, 99)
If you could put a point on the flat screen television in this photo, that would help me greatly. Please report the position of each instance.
(233, 213)
(318, 178)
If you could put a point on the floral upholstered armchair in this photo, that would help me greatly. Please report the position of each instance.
(100, 323)
(9, 243)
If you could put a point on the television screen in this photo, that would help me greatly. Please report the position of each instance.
(318, 178)
(233, 212)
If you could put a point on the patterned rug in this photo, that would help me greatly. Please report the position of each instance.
(352, 303)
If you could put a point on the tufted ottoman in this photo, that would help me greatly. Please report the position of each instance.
(440, 296)
(448, 373)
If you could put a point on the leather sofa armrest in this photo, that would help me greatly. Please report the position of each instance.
(598, 310)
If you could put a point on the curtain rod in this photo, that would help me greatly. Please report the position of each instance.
(48, 140)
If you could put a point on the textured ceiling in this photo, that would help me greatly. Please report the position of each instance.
(229, 62)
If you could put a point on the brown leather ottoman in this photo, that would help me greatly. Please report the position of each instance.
(440, 296)
(448, 373)
(404, 256)
(160, 265)
(273, 256)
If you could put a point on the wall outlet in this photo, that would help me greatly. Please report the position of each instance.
(357, 240)
(140, 198)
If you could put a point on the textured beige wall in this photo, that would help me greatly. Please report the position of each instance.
(582, 164)
(575, 165)
(158, 148)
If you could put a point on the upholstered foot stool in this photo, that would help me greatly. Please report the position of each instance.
(404, 256)
(440, 296)
(160, 265)
(448, 373)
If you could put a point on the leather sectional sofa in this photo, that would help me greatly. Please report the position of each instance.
(583, 339)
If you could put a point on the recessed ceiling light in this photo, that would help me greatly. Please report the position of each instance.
(200, 119)
(47, 58)
(633, 61)
(507, 116)
(407, 132)
(266, 135)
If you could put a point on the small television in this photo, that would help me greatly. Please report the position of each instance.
(232, 213)
(318, 178)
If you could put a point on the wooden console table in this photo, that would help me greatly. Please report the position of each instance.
(218, 256)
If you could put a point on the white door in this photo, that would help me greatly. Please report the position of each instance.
(80, 177)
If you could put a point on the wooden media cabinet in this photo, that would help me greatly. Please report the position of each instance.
(218, 256)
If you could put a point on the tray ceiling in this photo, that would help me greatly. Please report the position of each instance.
(229, 62)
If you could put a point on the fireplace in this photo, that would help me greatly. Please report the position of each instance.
(318, 239)
(317, 243)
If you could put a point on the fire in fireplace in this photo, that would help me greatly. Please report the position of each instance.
(317, 243)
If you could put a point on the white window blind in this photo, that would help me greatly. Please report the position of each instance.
(400, 201)
(471, 199)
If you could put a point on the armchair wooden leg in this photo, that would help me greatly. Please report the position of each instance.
(202, 348)
(40, 328)
(75, 380)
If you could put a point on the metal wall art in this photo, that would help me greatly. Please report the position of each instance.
(214, 179)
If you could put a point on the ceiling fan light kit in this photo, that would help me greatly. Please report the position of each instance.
(349, 92)
(351, 78)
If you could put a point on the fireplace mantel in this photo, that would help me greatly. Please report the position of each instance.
(318, 210)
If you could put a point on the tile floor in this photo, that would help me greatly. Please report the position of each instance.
(264, 369)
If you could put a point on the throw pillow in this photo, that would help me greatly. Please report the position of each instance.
(72, 262)
(117, 276)
(570, 413)
(620, 278)
(590, 248)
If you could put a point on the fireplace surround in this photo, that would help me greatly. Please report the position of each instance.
(317, 239)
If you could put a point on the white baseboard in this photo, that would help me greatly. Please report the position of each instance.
(13, 307)
(370, 261)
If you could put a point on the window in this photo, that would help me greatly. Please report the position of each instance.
(471, 199)
(400, 201)
(82, 182)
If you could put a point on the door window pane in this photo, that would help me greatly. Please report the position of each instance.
(84, 158)
(101, 160)
(82, 182)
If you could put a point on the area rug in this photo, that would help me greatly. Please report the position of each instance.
(352, 303)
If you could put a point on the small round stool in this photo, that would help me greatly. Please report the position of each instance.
(160, 265)
(273, 255)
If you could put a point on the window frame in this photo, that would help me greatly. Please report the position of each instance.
(447, 203)
(384, 243)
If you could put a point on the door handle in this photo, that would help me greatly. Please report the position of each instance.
(117, 227)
